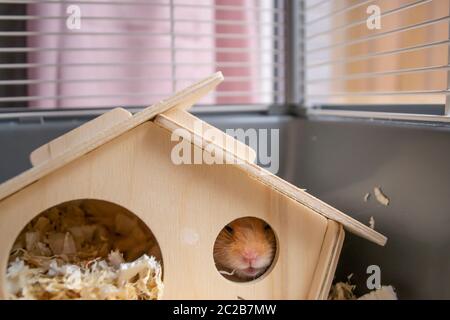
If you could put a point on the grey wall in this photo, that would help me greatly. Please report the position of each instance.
(340, 161)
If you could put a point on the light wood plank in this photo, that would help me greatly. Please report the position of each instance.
(79, 135)
(176, 118)
(329, 257)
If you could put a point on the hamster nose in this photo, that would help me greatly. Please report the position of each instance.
(249, 256)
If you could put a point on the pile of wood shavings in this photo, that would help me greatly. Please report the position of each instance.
(342, 291)
(380, 196)
(41, 278)
(85, 250)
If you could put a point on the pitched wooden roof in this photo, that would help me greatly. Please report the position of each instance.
(110, 125)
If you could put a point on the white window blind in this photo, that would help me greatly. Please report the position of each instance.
(136, 52)
(403, 63)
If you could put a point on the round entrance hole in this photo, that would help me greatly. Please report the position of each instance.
(245, 249)
(85, 249)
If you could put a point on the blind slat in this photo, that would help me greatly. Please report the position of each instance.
(385, 93)
(139, 94)
(347, 60)
(315, 5)
(404, 61)
(233, 22)
(337, 12)
(231, 36)
(40, 81)
(380, 35)
(148, 4)
(379, 74)
(93, 49)
(364, 21)
(133, 63)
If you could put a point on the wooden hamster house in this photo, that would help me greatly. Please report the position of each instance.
(125, 159)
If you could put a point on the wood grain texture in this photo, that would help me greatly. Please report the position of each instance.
(135, 172)
(79, 135)
(179, 119)
(329, 257)
(276, 182)
(187, 96)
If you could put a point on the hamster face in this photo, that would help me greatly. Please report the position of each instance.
(245, 247)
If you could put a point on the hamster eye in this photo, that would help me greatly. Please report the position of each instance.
(267, 227)
(229, 229)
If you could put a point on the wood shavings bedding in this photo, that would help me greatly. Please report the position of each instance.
(85, 250)
(380, 196)
(101, 279)
(342, 291)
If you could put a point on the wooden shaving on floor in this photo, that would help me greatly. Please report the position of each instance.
(85, 250)
(380, 196)
(366, 197)
(372, 223)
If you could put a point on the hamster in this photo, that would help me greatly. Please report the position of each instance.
(244, 249)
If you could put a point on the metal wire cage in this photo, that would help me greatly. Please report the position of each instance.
(89, 54)
(372, 58)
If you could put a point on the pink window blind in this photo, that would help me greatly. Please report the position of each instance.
(136, 52)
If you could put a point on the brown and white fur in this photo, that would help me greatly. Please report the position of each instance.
(245, 248)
